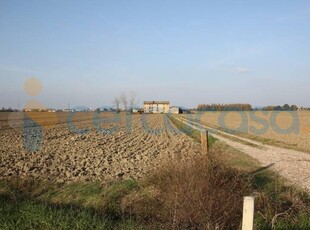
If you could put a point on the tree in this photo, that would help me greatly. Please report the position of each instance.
(116, 103)
(286, 107)
(269, 108)
(277, 108)
(124, 101)
(294, 107)
(132, 100)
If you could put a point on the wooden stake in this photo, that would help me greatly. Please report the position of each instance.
(204, 141)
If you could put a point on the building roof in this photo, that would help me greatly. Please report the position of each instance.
(156, 102)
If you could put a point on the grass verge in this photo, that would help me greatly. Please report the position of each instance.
(194, 133)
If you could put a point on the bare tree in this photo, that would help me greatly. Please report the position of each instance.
(132, 100)
(116, 103)
(124, 101)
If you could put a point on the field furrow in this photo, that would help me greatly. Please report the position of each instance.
(92, 147)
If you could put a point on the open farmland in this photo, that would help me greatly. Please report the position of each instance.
(285, 129)
(88, 146)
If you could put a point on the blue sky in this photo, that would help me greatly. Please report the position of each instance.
(188, 52)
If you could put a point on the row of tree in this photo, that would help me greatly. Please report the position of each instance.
(8, 110)
(247, 107)
(285, 107)
(224, 107)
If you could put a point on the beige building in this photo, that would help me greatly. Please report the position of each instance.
(175, 110)
(156, 106)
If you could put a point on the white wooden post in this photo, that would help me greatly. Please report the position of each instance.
(248, 213)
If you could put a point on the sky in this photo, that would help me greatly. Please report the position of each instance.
(85, 53)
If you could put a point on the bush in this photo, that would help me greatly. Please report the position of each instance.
(194, 194)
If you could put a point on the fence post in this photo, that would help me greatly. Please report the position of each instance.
(204, 141)
(248, 213)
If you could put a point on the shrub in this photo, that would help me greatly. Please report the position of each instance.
(195, 194)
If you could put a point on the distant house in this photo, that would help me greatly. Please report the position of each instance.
(135, 110)
(175, 110)
(156, 106)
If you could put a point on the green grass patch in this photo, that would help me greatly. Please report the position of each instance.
(26, 214)
(77, 205)
(77, 193)
(234, 158)
(113, 196)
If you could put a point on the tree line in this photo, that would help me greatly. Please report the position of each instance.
(8, 110)
(224, 107)
(285, 107)
(247, 107)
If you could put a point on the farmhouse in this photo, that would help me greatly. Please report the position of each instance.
(156, 106)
